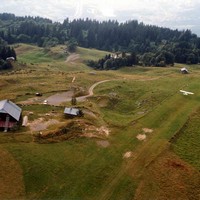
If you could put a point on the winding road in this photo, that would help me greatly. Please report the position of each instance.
(90, 91)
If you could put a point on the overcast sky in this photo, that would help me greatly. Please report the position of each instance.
(180, 14)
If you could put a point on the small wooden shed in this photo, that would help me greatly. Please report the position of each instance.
(10, 59)
(10, 114)
(184, 70)
(73, 112)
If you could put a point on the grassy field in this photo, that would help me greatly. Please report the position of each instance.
(189, 137)
(163, 166)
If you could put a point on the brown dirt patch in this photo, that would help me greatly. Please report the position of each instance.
(40, 124)
(128, 154)
(11, 177)
(59, 98)
(141, 137)
(147, 130)
(72, 58)
(96, 132)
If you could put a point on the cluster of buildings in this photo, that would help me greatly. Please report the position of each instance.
(11, 114)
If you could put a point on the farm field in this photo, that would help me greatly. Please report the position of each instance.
(138, 138)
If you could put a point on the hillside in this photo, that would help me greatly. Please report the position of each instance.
(130, 143)
(154, 46)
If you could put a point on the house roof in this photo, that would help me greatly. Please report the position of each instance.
(10, 58)
(12, 109)
(184, 69)
(72, 111)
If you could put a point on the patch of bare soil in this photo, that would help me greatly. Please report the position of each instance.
(72, 58)
(68, 130)
(97, 132)
(103, 143)
(104, 131)
(40, 124)
(59, 98)
(11, 177)
(147, 130)
(141, 137)
(65, 131)
(128, 154)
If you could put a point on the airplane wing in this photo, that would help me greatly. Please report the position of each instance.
(186, 92)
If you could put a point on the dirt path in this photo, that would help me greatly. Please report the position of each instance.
(90, 91)
(72, 57)
(59, 98)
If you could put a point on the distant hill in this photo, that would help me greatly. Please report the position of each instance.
(153, 45)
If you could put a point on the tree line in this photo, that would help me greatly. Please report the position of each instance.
(153, 45)
(6, 52)
(114, 61)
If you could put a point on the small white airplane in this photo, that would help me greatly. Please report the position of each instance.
(186, 92)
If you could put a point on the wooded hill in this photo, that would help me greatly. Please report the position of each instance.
(5, 53)
(153, 45)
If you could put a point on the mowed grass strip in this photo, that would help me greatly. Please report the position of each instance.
(187, 144)
(129, 99)
(165, 120)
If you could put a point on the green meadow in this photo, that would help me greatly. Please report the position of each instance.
(134, 101)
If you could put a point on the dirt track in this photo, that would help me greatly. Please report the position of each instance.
(59, 98)
(72, 57)
(90, 91)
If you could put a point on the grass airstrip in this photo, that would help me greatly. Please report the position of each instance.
(138, 139)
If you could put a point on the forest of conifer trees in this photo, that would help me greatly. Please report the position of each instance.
(152, 45)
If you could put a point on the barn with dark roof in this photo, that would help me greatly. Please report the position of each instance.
(73, 112)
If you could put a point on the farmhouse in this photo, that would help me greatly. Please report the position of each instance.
(72, 112)
(184, 70)
(10, 114)
(10, 59)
